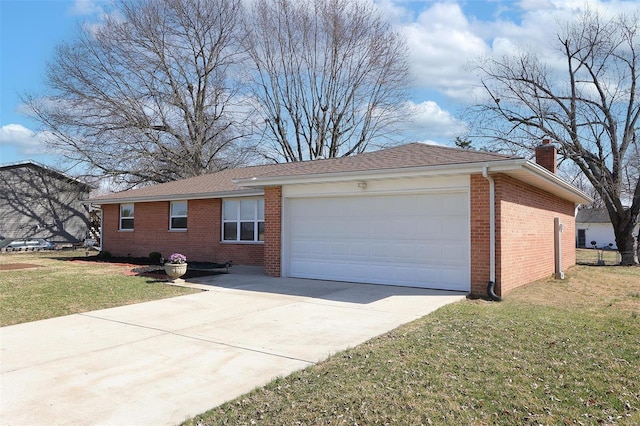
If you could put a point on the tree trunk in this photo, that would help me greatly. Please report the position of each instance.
(627, 242)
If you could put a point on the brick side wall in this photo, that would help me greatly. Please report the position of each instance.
(525, 226)
(524, 233)
(200, 242)
(272, 230)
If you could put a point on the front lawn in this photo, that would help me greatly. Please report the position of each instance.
(54, 286)
(552, 353)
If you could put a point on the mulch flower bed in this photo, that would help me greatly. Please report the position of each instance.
(159, 273)
(141, 266)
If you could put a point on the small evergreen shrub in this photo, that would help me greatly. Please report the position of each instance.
(155, 256)
(105, 254)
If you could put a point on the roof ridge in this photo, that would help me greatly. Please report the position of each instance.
(404, 156)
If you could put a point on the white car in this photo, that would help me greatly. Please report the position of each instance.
(31, 244)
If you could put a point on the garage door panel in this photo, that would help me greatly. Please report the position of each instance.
(391, 253)
(429, 252)
(358, 228)
(451, 202)
(404, 253)
(452, 229)
(429, 229)
(338, 249)
(378, 252)
(418, 240)
(403, 228)
(452, 275)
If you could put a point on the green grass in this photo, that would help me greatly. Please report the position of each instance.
(553, 353)
(59, 287)
(592, 256)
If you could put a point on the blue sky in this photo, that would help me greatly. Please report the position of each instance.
(29, 32)
(442, 36)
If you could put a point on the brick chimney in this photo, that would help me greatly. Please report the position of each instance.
(546, 155)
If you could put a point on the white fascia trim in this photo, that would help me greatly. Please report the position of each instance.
(446, 169)
(179, 197)
(546, 174)
(499, 166)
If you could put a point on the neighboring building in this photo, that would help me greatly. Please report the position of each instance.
(414, 215)
(39, 202)
(594, 224)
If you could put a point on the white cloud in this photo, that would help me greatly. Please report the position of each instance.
(25, 140)
(85, 7)
(431, 122)
(430, 142)
(94, 13)
(444, 37)
(440, 43)
(393, 11)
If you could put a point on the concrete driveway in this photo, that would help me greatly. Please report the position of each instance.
(161, 362)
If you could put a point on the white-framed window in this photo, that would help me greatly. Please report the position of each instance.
(178, 215)
(126, 217)
(243, 220)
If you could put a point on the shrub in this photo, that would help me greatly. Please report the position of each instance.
(105, 254)
(155, 256)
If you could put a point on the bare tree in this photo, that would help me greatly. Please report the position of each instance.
(590, 109)
(329, 76)
(147, 96)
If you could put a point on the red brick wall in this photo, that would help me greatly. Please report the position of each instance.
(272, 230)
(524, 233)
(546, 156)
(200, 242)
(525, 248)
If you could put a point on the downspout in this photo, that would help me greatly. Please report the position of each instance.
(492, 236)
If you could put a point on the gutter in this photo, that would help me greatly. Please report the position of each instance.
(546, 174)
(492, 235)
(175, 197)
(392, 173)
(519, 168)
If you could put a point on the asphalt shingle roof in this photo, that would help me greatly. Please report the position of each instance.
(593, 215)
(403, 156)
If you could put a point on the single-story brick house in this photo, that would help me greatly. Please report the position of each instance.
(413, 215)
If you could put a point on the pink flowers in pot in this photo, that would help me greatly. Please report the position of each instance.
(177, 258)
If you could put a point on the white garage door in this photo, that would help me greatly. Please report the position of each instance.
(406, 240)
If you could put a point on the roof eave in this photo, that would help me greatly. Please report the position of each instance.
(176, 197)
(532, 173)
(436, 170)
(518, 168)
(85, 186)
(576, 195)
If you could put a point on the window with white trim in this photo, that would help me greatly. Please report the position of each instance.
(243, 220)
(126, 217)
(178, 215)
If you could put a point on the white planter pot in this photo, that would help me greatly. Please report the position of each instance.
(175, 270)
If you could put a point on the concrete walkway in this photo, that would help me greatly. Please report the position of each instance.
(161, 362)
